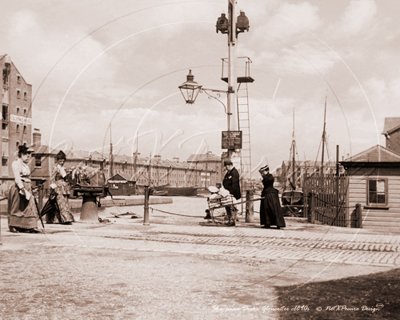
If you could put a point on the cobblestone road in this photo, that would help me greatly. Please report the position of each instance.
(246, 242)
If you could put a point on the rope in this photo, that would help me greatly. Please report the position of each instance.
(175, 214)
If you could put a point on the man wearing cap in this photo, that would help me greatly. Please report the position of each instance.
(231, 183)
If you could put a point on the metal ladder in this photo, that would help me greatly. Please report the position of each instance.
(244, 126)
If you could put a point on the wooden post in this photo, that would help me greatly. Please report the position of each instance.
(337, 181)
(312, 208)
(40, 195)
(146, 206)
(358, 216)
(249, 206)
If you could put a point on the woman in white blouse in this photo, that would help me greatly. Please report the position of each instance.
(22, 211)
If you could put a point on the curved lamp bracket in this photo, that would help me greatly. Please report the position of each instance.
(218, 95)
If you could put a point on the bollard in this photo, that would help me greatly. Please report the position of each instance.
(89, 208)
(146, 206)
(358, 215)
(249, 207)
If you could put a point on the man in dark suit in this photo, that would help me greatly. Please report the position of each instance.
(231, 183)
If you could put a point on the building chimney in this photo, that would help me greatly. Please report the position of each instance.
(37, 138)
(7, 60)
(176, 159)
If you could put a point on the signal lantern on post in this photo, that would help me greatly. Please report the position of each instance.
(242, 23)
(222, 23)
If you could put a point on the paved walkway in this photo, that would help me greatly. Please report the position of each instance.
(298, 241)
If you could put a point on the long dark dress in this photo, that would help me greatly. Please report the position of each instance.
(60, 213)
(270, 208)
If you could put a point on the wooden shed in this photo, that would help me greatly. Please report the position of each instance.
(374, 182)
(118, 185)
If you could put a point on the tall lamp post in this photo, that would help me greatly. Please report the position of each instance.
(190, 89)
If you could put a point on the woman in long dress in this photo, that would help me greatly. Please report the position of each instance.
(270, 209)
(60, 186)
(22, 210)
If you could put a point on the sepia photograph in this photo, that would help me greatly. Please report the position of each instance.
(200, 159)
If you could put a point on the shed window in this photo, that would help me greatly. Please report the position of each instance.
(377, 192)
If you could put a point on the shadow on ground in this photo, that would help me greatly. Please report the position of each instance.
(372, 296)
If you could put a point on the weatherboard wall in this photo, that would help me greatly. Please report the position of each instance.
(385, 217)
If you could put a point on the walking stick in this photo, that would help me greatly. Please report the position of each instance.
(40, 217)
(37, 207)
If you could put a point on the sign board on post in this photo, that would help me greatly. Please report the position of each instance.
(231, 140)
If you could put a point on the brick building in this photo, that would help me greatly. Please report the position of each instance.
(208, 162)
(391, 131)
(16, 117)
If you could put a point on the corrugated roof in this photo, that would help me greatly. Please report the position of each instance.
(391, 124)
(377, 153)
(203, 157)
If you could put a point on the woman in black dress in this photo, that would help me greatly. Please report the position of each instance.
(270, 209)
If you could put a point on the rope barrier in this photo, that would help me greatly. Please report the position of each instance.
(175, 214)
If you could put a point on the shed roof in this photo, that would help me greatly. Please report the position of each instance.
(376, 153)
(120, 176)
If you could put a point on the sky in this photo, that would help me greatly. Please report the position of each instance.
(95, 65)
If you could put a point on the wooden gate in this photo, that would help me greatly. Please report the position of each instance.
(325, 199)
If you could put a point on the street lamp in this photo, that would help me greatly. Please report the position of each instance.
(190, 89)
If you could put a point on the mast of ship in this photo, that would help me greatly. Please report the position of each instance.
(111, 155)
(323, 141)
(135, 156)
(293, 156)
(205, 182)
(149, 171)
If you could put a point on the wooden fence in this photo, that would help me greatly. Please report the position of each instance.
(325, 199)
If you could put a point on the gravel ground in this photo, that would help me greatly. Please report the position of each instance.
(40, 280)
